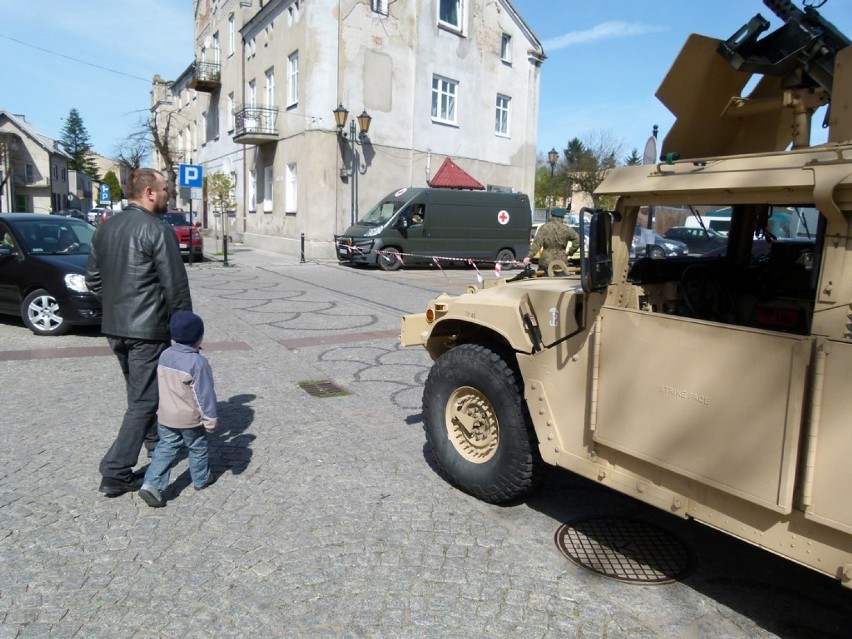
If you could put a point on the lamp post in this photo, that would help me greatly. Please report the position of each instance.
(340, 115)
(552, 159)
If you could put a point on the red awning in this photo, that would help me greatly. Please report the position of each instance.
(451, 176)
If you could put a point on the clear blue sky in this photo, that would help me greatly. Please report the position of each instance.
(605, 60)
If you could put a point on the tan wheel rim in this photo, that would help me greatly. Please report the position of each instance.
(472, 425)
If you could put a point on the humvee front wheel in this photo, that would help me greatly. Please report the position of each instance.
(477, 424)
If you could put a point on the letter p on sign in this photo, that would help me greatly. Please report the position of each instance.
(190, 175)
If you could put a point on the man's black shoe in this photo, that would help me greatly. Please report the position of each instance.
(116, 487)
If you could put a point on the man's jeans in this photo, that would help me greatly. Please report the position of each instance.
(138, 360)
(172, 440)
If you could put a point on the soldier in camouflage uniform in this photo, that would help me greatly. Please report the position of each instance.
(554, 239)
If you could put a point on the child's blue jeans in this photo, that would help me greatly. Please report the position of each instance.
(172, 441)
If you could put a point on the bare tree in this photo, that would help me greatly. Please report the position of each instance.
(157, 136)
(587, 163)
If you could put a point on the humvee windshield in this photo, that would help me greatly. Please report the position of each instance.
(380, 214)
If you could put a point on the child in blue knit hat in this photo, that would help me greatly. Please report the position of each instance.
(187, 410)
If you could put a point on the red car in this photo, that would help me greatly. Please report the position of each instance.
(188, 237)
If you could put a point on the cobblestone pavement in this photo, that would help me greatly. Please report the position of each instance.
(328, 517)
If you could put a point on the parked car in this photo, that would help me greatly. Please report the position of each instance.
(106, 214)
(75, 213)
(659, 248)
(42, 272)
(698, 241)
(188, 237)
(94, 214)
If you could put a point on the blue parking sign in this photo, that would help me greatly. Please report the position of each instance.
(190, 175)
(103, 194)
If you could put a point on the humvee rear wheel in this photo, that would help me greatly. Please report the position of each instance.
(477, 425)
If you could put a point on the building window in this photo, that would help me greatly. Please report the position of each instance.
(444, 99)
(232, 35)
(450, 14)
(380, 6)
(270, 88)
(251, 94)
(54, 171)
(267, 189)
(252, 191)
(291, 189)
(293, 79)
(506, 48)
(29, 173)
(233, 194)
(501, 115)
(217, 53)
(64, 174)
(204, 127)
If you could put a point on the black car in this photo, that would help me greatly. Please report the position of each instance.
(42, 272)
(697, 240)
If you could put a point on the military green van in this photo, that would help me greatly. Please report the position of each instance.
(416, 225)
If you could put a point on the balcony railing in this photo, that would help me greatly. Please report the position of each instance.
(255, 125)
(206, 76)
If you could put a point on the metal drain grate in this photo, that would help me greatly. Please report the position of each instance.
(323, 388)
(625, 549)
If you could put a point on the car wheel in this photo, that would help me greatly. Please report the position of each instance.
(507, 258)
(40, 313)
(477, 425)
(657, 252)
(389, 259)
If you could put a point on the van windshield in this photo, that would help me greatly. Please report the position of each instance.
(380, 214)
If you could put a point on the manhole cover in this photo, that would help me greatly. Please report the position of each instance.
(625, 549)
(323, 388)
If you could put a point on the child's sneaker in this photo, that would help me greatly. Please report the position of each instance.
(151, 496)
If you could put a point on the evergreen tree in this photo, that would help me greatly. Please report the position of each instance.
(75, 142)
(633, 159)
(115, 192)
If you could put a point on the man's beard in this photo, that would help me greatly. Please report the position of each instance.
(161, 208)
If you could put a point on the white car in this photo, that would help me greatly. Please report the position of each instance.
(94, 214)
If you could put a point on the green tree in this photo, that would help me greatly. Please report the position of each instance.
(115, 192)
(220, 192)
(633, 159)
(75, 142)
(587, 163)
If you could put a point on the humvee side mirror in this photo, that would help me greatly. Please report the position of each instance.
(596, 271)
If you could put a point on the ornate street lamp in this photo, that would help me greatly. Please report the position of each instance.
(364, 120)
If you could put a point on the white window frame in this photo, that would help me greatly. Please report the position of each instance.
(506, 48)
(291, 187)
(251, 94)
(231, 106)
(232, 35)
(293, 79)
(252, 203)
(380, 6)
(268, 189)
(233, 193)
(270, 88)
(501, 115)
(459, 10)
(217, 51)
(444, 100)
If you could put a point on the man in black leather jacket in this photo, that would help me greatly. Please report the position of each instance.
(135, 267)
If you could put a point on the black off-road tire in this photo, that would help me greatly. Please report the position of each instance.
(492, 454)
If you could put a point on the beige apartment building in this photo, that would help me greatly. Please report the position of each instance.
(281, 92)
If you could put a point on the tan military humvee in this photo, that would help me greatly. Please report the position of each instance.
(715, 387)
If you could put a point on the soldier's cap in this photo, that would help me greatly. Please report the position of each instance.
(557, 213)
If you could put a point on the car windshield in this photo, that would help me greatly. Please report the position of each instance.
(380, 213)
(175, 219)
(55, 236)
